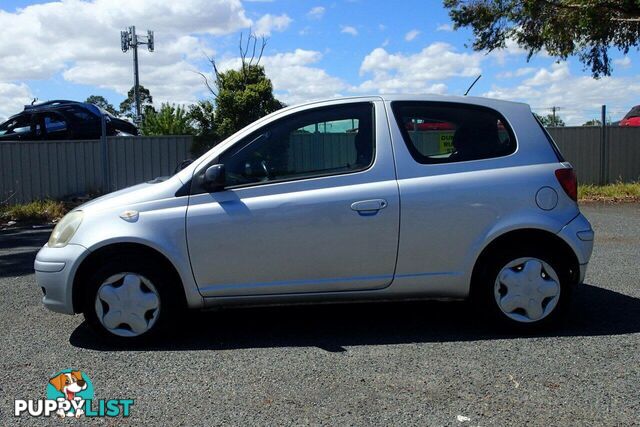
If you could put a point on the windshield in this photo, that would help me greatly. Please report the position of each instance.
(16, 126)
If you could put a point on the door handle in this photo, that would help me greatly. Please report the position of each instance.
(369, 205)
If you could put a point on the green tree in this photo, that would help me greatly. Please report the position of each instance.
(128, 106)
(169, 120)
(593, 122)
(101, 101)
(563, 28)
(202, 115)
(244, 95)
(550, 121)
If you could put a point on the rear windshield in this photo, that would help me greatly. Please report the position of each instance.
(551, 141)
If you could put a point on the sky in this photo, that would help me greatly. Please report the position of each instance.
(70, 49)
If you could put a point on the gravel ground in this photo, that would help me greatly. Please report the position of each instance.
(418, 363)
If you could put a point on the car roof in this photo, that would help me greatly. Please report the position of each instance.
(51, 104)
(472, 100)
(57, 105)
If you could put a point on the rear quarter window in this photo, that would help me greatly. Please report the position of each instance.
(438, 132)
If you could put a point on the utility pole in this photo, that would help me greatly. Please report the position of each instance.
(553, 112)
(129, 40)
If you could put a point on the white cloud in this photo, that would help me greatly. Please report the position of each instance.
(544, 76)
(579, 97)
(417, 72)
(268, 23)
(517, 73)
(349, 30)
(80, 39)
(511, 49)
(411, 35)
(444, 27)
(310, 82)
(316, 12)
(13, 97)
(624, 62)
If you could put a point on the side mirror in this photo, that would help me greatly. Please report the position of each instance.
(214, 178)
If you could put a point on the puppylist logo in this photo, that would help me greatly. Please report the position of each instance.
(70, 394)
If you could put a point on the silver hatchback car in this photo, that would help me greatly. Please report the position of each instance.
(363, 198)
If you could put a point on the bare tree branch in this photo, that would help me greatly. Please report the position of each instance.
(613, 6)
(244, 46)
(206, 82)
(264, 44)
(626, 19)
(253, 54)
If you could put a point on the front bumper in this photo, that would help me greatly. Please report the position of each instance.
(579, 235)
(55, 271)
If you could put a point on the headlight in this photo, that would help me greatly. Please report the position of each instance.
(65, 229)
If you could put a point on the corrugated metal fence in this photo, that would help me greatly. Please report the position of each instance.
(59, 169)
(597, 160)
(32, 170)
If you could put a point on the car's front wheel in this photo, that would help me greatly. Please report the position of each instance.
(526, 289)
(128, 301)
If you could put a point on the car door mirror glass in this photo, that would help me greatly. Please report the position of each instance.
(214, 178)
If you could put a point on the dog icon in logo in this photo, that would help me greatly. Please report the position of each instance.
(69, 384)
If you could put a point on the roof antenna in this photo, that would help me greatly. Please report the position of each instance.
(474, 82)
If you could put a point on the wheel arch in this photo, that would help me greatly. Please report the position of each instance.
(100, 255)
(532, 236)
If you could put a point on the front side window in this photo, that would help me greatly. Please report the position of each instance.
(438, 132)
(324, 141)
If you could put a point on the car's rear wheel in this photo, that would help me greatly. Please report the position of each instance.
(526, 288)
(128, 301)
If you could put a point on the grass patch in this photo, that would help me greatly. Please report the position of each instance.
(38, 211)
(618, 192)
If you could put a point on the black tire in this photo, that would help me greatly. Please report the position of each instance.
(484, 288)
(171, 301)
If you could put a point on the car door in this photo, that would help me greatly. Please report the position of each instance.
(457, 179)
(85, 124)
(311, 205)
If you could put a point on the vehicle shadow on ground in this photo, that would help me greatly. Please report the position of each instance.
(18, 249)
(595, 311)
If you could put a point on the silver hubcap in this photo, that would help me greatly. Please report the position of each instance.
(527, 289)
(127, 304)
